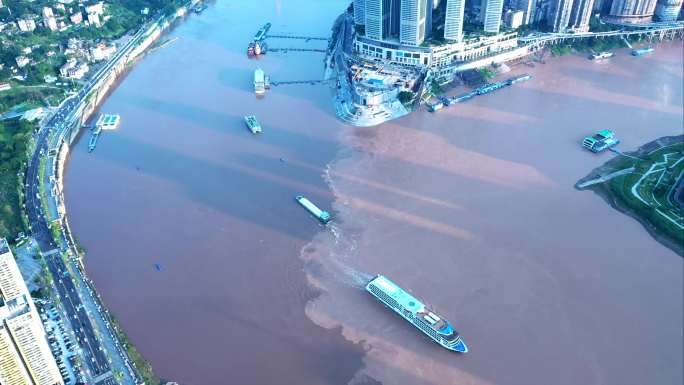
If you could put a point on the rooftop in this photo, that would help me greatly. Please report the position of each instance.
(403, 298)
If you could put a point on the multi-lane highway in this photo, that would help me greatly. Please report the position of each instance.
(50, 135)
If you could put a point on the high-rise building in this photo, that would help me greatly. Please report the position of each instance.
(528, 7)
(632, 11)
(513, 19)
(581, 15)
(453, 20)
(382, 19)
(25, 356)
(668, 10)
(359, 12)
(490, 15)
(558, 15)
(413, 22)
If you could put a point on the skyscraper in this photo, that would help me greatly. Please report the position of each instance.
(668, 10)
(490, 15)
(25, 357)
(413, 21)
(382, 19)
(528, 7)
(632, 11)
(559, 15)
(453, 20)
(359, 12)
(581, 15)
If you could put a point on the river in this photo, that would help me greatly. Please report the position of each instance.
(473, 209)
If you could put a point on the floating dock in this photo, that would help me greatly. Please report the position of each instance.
(322, 215)
(92, 143)
(108, 122)
(483, 90)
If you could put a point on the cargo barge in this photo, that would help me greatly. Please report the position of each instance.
(642, 51)
(322, 215)
(415, 312)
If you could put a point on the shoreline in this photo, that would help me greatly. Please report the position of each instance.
(601, 189)
(65, 139)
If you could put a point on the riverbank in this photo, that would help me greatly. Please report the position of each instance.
(473, 209)
(645, 191)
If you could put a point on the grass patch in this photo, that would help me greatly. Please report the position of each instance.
(657, 209)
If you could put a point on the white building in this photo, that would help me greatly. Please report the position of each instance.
(453, 20)
(25, 357)
(102, 52)
(96, 8)
(50, 23)
(513, 19)
(76, 18)
(435, 57)
(26, 25)
(490, 15)
(94, 19)
(47, 12)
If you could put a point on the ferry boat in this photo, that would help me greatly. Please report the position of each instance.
(253, 124)
(415, 312)
(601, 55)
(259, 81)
(322, 215)
(602, 140)
(642, 51)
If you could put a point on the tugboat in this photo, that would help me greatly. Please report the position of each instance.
(253, 124)
(322, 215)
(415, 312)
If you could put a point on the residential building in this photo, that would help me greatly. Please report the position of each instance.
(26, 25)
(490, 15)
(1, 5)
(94, 19)
(558, 15)
(76, 18)
(632, 11)
(25, 357)
(528, 7)
(360, 12)
(453, 20)
(102, 52)
(413, 22)
(668, 10)
(47, 12)
(513, 19)
(581, 15)
(21, 61)
(97, 8)
(50, 23)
